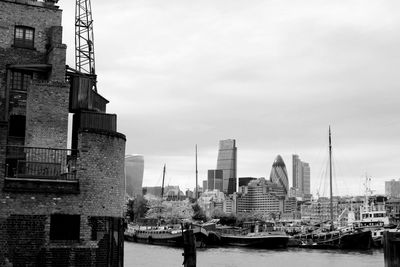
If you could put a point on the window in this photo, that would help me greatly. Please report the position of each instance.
(24, 36)
(20, 80)
(17, 126)
(65, 227)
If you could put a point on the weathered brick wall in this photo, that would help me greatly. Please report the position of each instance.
(40, 18)
(47, 115)
(37, 17)
(101, 174)
(25, 237)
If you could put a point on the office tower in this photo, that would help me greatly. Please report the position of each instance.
(215, 180)
(134, 169)
(392, 188)
(227, 162)
(205, 185)
(244, 181)
(279, 174)
(301, 175)
(262, 196)
(306, 178)
(59, 206)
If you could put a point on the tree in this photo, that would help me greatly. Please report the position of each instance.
(136, 208)
(198, 213)
(224, 219)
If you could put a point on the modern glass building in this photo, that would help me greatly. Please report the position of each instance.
(134, 169)
(227, 162)
(301, 175)
(215, 180)
(279, 174)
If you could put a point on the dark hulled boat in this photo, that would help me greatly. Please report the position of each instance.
(356, 239)
(259, 240)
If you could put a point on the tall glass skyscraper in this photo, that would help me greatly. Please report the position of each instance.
(227, 162)
(134, 169)
(279, 174)
(215, 180)
(301, 175)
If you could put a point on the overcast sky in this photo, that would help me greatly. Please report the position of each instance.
(271, 74)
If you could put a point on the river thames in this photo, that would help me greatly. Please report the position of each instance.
(144, 255)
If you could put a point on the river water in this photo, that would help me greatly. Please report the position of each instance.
(143, 255)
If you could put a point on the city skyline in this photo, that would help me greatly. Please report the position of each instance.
(272, 75)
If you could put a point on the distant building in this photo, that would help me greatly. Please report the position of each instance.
(244, 181)
(393, 209)
(279, 174)
(229, 205)
(227, 162)
(173, 193)
(210, 201)
(262, 196)
(392, 188)
(134, 169)
(215, 180)
(301, 175)
(205, 184)
(152, 190)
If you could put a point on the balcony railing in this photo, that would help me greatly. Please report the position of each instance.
(40, 163)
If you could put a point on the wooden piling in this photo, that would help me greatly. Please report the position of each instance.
(391, 248)
(189, 247)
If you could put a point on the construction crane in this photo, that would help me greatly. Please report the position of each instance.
(84, 41)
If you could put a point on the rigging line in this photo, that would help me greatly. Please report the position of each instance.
(334, 175)
(322, 172)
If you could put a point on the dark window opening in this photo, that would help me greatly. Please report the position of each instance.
(24, 37)
(17, 126)
(65, 227)
(20, 80)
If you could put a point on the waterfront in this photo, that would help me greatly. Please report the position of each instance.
(154, 256)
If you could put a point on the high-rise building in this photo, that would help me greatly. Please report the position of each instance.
(306, 177)
(205, 185)
(134, 168)
(392, 188)
(215, 180)
(59, 206)
(279, 174)
(244, 181)
(262, 196)
(301, 175)
(227, 162)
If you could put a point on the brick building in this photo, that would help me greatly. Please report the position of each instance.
(58, 206)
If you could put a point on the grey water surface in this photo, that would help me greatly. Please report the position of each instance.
(144, 255)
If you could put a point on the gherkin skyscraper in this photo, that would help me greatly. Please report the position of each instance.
(279, 173)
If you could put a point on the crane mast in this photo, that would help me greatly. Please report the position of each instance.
(84, 42)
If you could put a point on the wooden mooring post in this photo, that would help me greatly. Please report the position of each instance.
(189, 246)
(391, 248)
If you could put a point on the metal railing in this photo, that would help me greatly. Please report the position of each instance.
(41, 163)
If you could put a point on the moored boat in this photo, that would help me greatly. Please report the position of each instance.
(165, 235)
(259, 240)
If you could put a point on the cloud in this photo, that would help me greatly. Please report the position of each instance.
(271, 74)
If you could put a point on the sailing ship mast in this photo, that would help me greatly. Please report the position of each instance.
(162, 187)
(330, 174)
(196, 176)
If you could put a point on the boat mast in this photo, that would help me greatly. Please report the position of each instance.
(162, 187)
(196, 175)
(330, 174)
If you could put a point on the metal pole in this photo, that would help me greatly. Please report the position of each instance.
(330, 174)
(197, 192)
